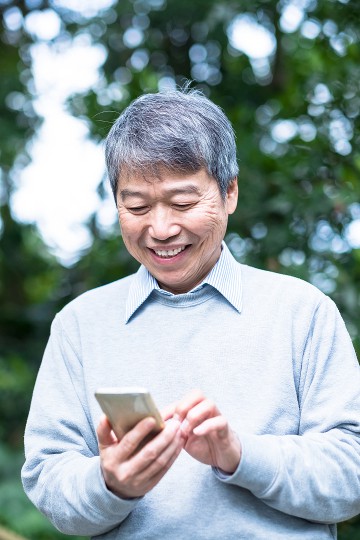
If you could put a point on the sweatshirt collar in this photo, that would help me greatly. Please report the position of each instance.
(225, 277)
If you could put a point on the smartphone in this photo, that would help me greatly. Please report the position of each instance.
(126, 406)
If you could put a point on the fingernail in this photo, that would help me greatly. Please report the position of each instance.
(185, 426)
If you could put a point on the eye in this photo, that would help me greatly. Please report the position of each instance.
(183, 206)
(138, 209)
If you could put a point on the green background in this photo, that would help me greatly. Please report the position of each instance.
(297, 197)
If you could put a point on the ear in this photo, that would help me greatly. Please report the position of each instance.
(232, 196)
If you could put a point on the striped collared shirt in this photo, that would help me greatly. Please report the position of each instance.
(225, 277)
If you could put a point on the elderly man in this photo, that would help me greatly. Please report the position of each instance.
(269, 446)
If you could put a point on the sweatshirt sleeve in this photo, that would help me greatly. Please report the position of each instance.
(314, 475)
(62, 474)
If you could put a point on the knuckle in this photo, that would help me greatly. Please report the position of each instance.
(162, 462)
(122, 476)
(127, 444)
(150, 454)
(191, 416)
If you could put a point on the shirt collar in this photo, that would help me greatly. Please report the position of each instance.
(225, 277)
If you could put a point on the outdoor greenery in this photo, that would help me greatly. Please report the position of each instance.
(296, 116)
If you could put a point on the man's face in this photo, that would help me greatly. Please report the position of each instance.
(174, 225)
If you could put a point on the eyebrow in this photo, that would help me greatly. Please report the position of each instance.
(125, 193)
(187, 190)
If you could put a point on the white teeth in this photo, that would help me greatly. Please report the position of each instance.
(169, 252)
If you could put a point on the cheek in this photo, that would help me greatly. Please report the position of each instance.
(130, 228)
(210, 222)
(131, 238)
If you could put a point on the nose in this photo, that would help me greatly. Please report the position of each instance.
(163, 224)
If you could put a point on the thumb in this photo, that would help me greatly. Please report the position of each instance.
(105, 433)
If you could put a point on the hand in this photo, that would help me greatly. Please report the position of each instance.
(209, 438)
(129, 474)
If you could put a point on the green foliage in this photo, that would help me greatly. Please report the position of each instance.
(297, 196)
(349, 530)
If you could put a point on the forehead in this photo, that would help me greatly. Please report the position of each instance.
(169, 183)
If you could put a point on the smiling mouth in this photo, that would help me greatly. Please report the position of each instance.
(168, 253)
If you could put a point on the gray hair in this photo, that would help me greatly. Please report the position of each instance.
(180, 131)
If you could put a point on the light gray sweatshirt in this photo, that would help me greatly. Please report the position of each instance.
(280, 366)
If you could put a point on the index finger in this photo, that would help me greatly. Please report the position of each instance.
(186, 403)
(133, 438)
(168, 412)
